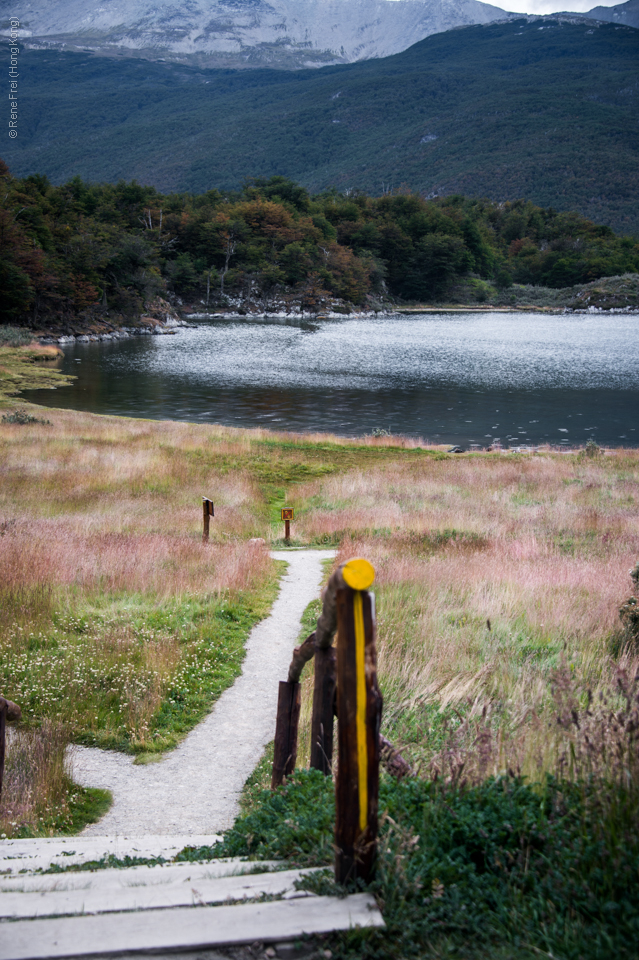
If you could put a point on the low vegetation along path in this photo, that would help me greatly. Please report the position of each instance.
(195, 789)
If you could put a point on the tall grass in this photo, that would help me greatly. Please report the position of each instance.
(493, 574)
(35, 784)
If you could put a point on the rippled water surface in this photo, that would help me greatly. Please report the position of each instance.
(458, 378)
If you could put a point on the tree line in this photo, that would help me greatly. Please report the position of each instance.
(85, 249)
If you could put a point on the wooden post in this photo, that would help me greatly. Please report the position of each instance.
(208, 511)
(8, 711)
(359, 708)
(287, 516)
(323, 710)
(289, 702)
(3, 723)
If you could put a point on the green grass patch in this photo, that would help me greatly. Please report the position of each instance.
(72, 809)
(86, 805)
(22, 368)
(258, 782)
(131, 673)
(109, 862)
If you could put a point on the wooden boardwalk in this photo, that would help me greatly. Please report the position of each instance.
(176, 907)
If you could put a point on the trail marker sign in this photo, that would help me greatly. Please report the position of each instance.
(287, 515)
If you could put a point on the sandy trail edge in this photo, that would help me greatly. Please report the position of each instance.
(195, 789)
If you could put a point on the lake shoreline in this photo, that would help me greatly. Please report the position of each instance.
(606, 296)
(97, 332)
(471, 379)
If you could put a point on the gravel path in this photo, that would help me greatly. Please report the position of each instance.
(195, 788)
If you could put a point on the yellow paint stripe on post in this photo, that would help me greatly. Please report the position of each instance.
(362, 752)
(359, 575)
(359, 707)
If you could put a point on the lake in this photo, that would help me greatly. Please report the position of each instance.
(457, 378)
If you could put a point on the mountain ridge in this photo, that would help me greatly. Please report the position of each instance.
(542, 108)
(244, 33)
(622, 13)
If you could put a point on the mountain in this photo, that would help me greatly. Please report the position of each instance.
(624, 13)
(542, 108)
(284, 33)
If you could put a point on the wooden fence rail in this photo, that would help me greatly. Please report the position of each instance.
(8, 711)
(346, 687)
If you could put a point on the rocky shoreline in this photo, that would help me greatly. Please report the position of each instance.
(611, 295)
(159, 318)
(118, 333)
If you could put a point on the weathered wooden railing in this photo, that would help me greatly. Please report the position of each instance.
(8, 711)
(346, 687)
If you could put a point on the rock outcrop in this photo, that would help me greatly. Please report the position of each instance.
(285, 33)
(623, 13)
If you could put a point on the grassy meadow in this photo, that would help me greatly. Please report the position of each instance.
(496, 575)
(118, 627)
(503, 661)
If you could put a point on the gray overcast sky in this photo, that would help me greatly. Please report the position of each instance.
(552, 6)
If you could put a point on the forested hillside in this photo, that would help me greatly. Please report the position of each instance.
(96, 250)
(542, 108)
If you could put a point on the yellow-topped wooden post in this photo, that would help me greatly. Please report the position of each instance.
(359, 707)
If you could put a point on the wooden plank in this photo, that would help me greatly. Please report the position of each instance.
(359, 706)
(323, 710)
(289, 703)
(188, 891)
(185, 928)
(147, 876)
(40, 853)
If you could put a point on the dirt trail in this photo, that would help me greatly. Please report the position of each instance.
(195, 788)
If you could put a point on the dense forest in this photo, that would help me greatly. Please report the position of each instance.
(84, 250)
(538, 108)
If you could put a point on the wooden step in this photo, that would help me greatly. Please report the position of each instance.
(41, 853)
(115, 877)
(101, 894)
(184, 928)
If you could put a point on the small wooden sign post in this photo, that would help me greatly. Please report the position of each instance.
(207, 512)
(359, 710)
(287, 516)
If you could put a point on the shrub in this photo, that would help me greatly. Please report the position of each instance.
(629, 611)
(22, 417)
(499, 864)
(14, 336)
